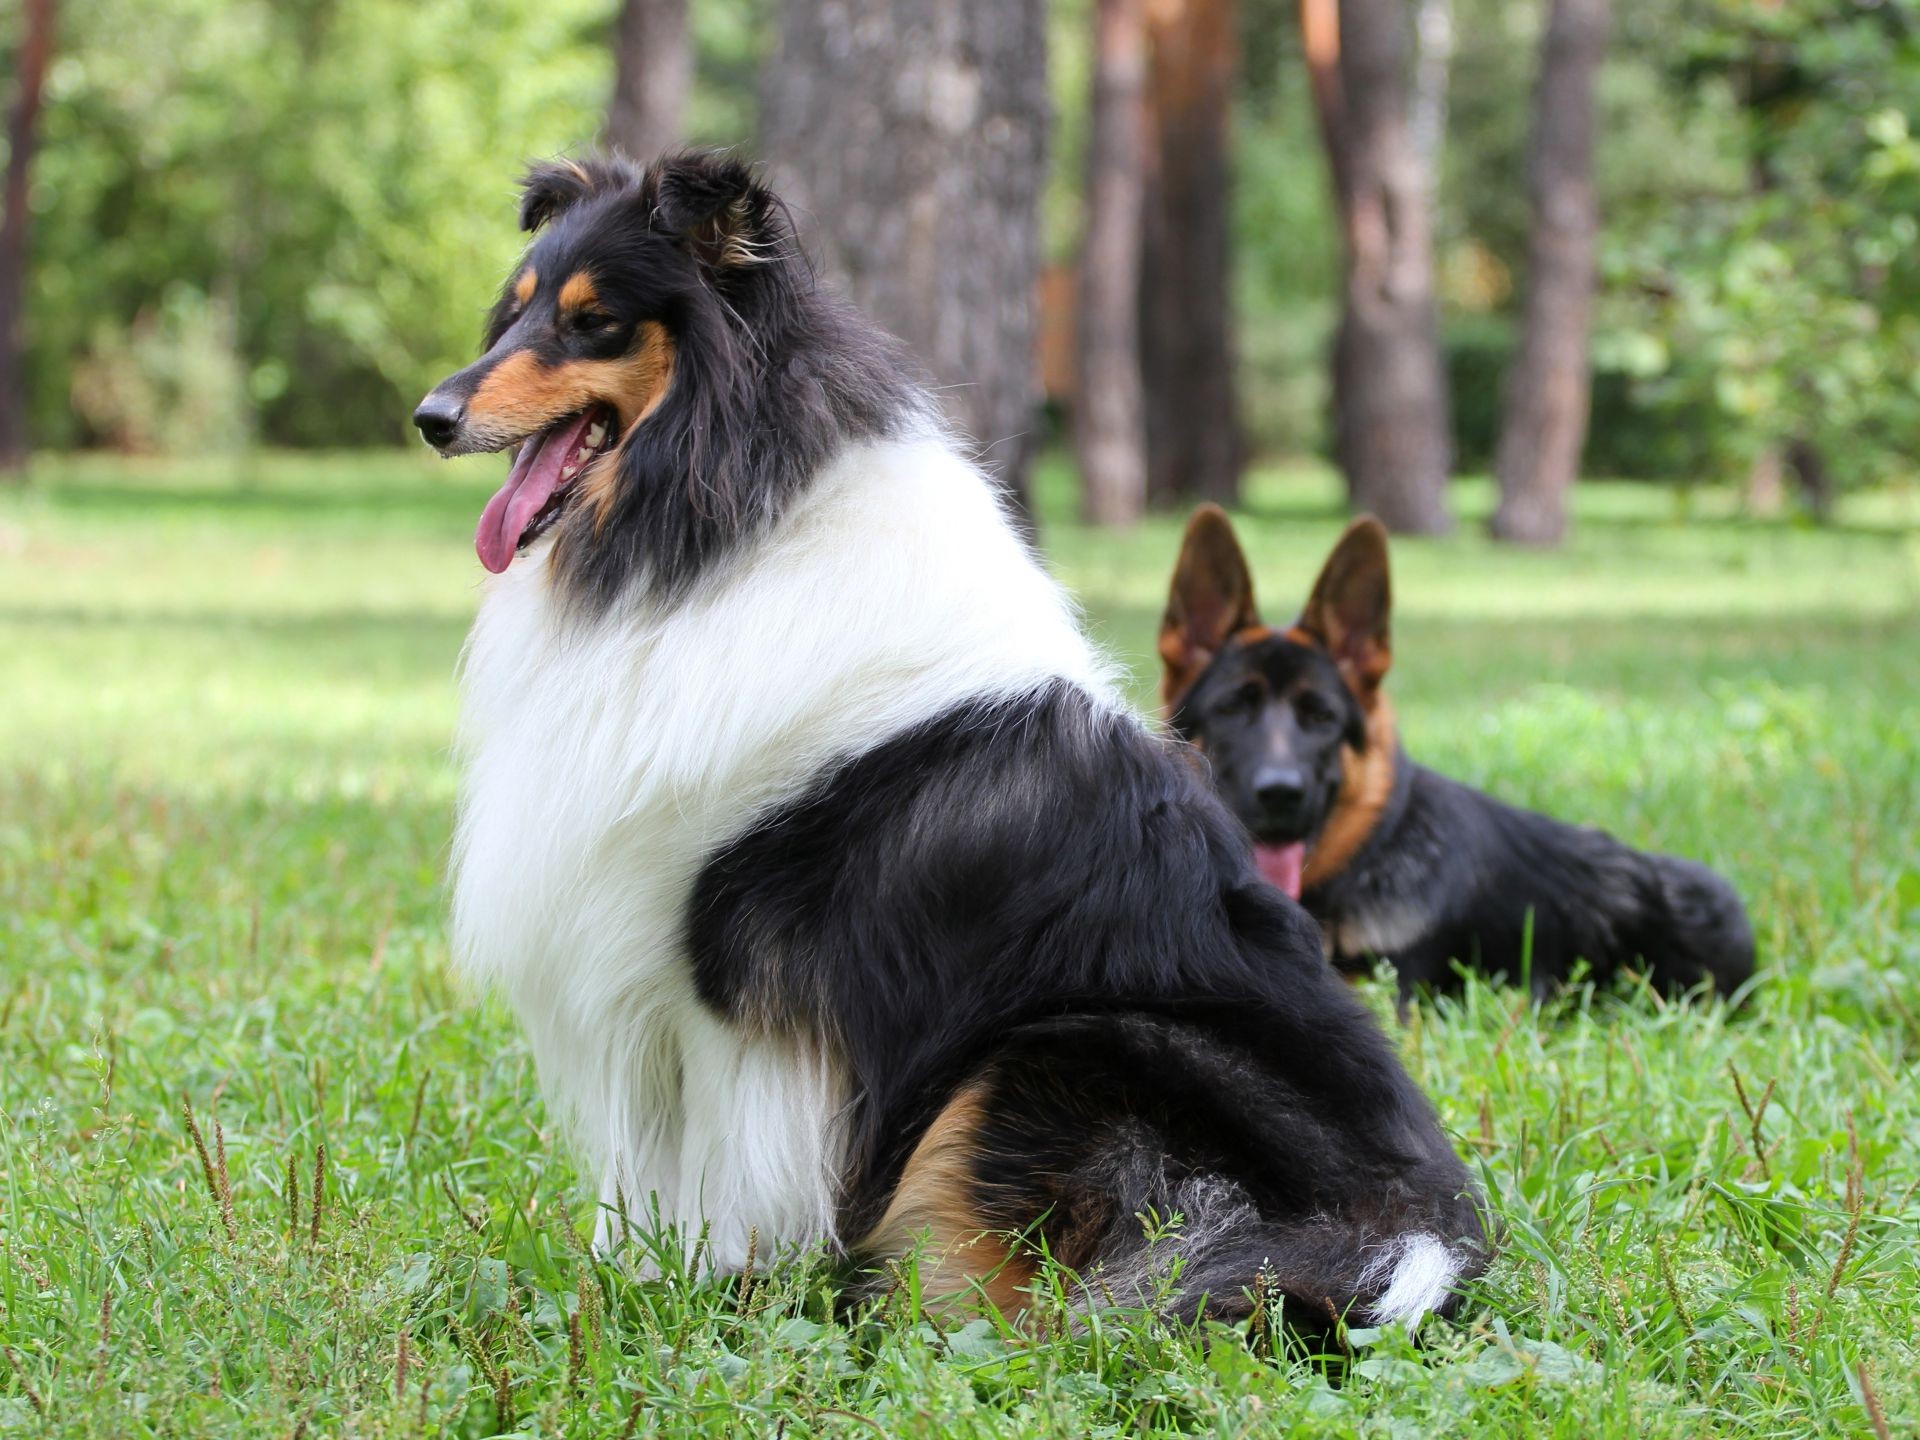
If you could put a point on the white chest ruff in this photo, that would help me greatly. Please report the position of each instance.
(605, 761)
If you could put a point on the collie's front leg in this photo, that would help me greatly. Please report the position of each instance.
(761, 1144)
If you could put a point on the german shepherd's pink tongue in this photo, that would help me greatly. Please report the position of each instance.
(530, 485)
(1280, 865)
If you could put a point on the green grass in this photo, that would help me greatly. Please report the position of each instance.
(225, 700)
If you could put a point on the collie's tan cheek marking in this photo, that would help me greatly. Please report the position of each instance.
(961, 1260)
(1366, 783)
(524, 287)
(522, 394)
(644, 377)
(578, 293)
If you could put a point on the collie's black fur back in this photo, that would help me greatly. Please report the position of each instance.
(1034, 902)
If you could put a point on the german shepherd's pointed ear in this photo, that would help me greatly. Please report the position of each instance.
(1350, 609)
(553, 187)
(1212, 598)
(713, 203)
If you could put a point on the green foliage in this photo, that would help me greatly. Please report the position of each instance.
(278, 222)
(1757, 191)
(225, 797)
(1623, 440)
(1791, 304)
(331, 180)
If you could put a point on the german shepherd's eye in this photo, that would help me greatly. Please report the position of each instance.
(1244, 701)
(1312, 711)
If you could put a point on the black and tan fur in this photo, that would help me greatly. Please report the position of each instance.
(1403, 863)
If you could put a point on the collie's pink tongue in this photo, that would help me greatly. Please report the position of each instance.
(530, 484)
(1281, 865)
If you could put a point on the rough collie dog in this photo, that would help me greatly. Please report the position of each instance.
(842, 899)
(1393, 860)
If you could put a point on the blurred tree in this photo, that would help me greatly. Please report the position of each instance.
(23, 124)
(1109, 420)
(911, 138)
(320, 188)
(1432, 77)
(1194, 447)
(1788, 300)
(1549, 385)
(652, 75)
(1391, 433)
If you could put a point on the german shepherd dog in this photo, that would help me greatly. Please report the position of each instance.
(843, 900)
(1393, 860)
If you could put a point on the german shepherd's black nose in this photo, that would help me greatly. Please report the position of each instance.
(438, 419)
(1281, 790)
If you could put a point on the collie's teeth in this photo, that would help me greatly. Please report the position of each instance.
(583, 454)
(595, 433)
(566, 471)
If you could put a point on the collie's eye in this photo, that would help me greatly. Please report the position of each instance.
(593, 320)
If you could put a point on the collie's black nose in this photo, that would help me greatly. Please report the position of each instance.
(1280, 789)
(438, 419)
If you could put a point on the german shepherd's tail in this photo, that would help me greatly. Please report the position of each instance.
(1692, 926)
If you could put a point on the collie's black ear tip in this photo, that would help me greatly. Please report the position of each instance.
(550, 187)
(693, 186)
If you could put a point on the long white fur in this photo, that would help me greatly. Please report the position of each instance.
(1419, 1271)
(605, 761)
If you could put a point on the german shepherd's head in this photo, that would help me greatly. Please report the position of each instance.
(1291, 719)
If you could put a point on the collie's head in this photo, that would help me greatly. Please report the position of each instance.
(667, 366)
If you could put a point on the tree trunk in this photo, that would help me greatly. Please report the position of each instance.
(1186, 334)
(23, 121)
(1766, 491)
(1549, 386)
(911, 139)
(652, 73)
(1810, 473)
(1109, 421)
(1433, 28)
(1389, 388)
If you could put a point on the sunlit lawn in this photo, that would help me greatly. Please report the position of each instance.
(225, 699)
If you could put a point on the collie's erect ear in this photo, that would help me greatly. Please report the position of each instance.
(1212, 598)
(712, 202)
(1351, 606)
(556, 186)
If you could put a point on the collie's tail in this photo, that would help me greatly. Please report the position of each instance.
(1169, 1165)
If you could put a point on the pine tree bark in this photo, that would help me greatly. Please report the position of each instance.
(1391, 433)
(23, 128)
(1548, 390)
(911, 139)
(652, 76)
(1194, 448)
(1109, 420)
